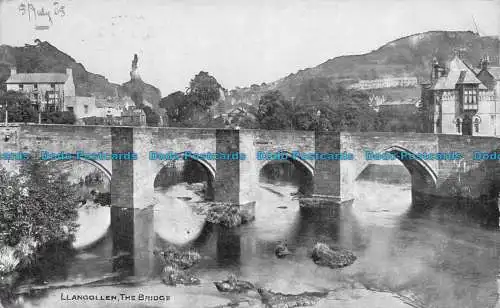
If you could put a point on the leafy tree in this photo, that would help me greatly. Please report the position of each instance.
(274, 111)
(394, 119)
(177, 107)
(314, 117)
(186, 109)
(18, 106)
(204, 90)
(38, 204)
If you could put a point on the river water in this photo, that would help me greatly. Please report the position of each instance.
(404, 259)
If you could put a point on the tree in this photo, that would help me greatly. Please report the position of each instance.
(38, 204)
(204, 90)
(19, 107)
(398, 119)
(274, 111)
(186, 109)
(178, 107)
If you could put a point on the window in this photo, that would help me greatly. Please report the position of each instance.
(21, 87)
(35, 86)
(86, 108)
(477, 121)
(470, 96)
(459, 128)
(53, 86)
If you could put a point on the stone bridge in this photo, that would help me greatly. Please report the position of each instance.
(235, 181)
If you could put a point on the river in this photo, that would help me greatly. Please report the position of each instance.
(404, 260)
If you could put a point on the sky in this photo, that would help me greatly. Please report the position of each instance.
(240, 42)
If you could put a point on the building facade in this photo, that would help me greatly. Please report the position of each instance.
(47, 91)
(389, 82)
(462, 100)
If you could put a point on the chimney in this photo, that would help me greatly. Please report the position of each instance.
(13, 71)
(484, 63)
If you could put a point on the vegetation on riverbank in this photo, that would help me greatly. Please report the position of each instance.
(38, 206)
(176, 263)
(224, 214)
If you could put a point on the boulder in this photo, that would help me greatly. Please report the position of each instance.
(333, 257)
(173, 276)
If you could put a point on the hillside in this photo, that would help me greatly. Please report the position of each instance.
(43, 58)
(411, 55)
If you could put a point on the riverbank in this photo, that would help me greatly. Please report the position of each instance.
(348, 295)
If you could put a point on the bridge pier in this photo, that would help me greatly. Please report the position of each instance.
(132, 218)
(329, 175)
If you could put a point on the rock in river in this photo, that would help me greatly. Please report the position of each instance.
(181, 259)
(232, 284)
(281, 250)
(274, 299)
(173, 276)
(333, 257)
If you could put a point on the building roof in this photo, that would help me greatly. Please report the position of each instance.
(37, 78)
(102, 103)
(459, 73)
(494, 71)
(114, 103)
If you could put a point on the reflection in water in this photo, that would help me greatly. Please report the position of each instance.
(174, 221)
(427, 262)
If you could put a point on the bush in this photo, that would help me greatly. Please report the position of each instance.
(180, 259)
(59, 117)
(37, 204)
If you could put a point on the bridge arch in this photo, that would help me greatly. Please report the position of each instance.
(289, 156)
(167, 173)
(421, 172)
(205, 163)
(419, 165)
(306, 180)
(99, 166)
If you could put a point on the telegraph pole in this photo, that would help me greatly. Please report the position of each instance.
(6, 113)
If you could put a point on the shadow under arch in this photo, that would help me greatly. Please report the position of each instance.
(183, 155)
(289, 156)
(417, 167)
(168, 173)
(424, 179)
(91, 162)
(306, 185)
(417, 164)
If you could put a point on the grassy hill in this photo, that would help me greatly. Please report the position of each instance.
(411, 55)
(43, 57)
